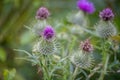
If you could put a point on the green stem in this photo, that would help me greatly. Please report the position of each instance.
(105, 62)
(75, 73)
(43, 65)
(46, 67)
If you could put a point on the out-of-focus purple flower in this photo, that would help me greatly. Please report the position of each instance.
(42, 13)
(86, 6)
(86, 46)
(48, 33)
(106, 14)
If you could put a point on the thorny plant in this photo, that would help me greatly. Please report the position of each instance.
(55, 53)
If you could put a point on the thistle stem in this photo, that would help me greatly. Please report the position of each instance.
(75, 73)
(105, 68)
(44, 67)
(106, 57)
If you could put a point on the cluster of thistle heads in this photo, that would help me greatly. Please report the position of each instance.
(46, 33)
(83, 58)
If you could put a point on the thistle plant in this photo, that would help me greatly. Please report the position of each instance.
(47, 44)
(68, 63)
(41, 16)
(105, 28)
(83, 58)
(85, 7)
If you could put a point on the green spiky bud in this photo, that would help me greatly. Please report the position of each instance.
(38, 27)
(105, 29)
(45, 47)
(78, 18)
(82, 60)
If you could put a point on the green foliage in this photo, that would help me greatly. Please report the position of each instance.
(2, 54)
(9, 74)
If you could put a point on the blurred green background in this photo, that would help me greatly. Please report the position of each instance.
(14, 14)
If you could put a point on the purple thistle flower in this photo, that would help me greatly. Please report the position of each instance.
(48, 33)
(106, 14)
(86, 46)
(42, 13)
(86, 6)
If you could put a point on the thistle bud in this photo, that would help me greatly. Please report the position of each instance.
(105, 29)
(86, 6)
(48, 33)
(82, 60)
(84, 57)
(38, 27)
(78, 18)
(42, 13)
(86, 46)
(47, 44)
(106, 14)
